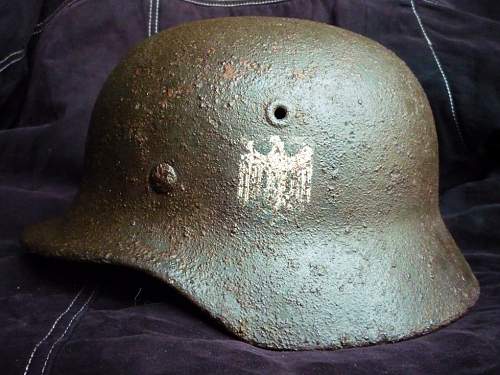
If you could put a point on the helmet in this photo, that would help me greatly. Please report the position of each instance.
(280, 173)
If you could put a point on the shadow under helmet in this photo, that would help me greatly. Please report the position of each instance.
(280, 173)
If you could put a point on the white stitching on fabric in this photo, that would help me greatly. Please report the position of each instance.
(10, 55)
(137, 296)
(441, 70)
(236, 4)
(46, 19)
(12, 62)
(41, 25)
(432, 2)
(77, 314)
(50, 331)
(157, 16)
(150, 16)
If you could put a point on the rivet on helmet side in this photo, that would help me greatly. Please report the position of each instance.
(162, 178)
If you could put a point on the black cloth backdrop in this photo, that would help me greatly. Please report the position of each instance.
(63, 317)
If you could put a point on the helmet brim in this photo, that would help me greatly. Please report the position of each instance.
(334, 290)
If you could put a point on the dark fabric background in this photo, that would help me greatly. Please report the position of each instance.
(67, 318)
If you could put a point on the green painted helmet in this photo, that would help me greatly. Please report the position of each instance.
(280, 173)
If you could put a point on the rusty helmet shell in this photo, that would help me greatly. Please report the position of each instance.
(280, 173)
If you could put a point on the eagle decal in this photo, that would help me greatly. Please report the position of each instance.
(276, 179)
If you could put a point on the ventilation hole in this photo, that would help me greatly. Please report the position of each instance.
(280, 112)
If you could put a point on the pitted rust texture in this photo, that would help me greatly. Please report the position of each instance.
(367, 259)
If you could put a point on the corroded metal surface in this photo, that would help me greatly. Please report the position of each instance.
(280, 173)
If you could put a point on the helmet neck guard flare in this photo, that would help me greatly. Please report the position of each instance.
(282, 174)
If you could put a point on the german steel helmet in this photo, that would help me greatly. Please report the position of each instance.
(282, 174)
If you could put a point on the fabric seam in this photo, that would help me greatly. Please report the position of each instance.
(11, 55)
(441, 70)
(157, 16)
(33, 352)
(12, 62)
(150, 16)
(153, 26)
(41, 25)
(227, 4)
(70, 323)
